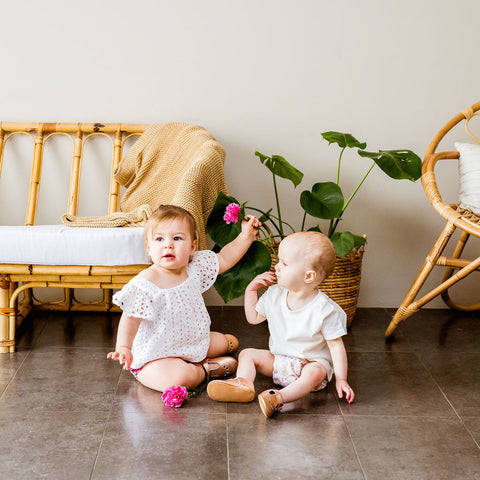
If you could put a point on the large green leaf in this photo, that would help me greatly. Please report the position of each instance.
(281, 167)
(343, 140)
(359, 240)
(218, 230)
(345, 242)
(324, 201)
(232, 283)
(397, 164)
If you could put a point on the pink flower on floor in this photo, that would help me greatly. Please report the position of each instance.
(231, 213)
(174, 396)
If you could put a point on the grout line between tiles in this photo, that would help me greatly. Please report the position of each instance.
(29, 351)
(448, 401)
(14, 375)
(351, 439)
(107, 421)
(355, 449)
(228, 444)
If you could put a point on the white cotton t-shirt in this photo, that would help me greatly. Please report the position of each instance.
(301, 333)
(175, 321)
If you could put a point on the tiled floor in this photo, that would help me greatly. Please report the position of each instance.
(66, 412)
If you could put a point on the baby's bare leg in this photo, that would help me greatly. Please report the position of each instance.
(312, 375)
(218, 345)
(165, 372)
(252, 360)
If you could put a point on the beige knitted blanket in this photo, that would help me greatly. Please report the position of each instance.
(171, 163)
(174, 163)
(136, 218)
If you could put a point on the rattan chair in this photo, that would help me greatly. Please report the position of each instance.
(469, 224)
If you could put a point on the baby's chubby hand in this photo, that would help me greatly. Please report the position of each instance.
(250, 226)
(263, 280)
(123, 355)
(344, 387)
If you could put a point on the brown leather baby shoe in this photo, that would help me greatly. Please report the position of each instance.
(232, 343)
(232, 390)
(220, 366)
(271, 402)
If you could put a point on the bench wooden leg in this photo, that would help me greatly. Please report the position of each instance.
(7, 319)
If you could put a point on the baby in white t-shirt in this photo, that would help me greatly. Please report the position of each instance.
(306, 329)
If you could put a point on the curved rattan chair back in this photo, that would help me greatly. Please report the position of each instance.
(457, 218)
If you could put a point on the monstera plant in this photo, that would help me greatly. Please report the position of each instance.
(325, 201)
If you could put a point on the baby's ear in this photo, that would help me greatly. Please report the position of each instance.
(310, 276)
(194, 246)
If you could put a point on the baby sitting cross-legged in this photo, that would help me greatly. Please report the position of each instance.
(306, 329)
(164, 335)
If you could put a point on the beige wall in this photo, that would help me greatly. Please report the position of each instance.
(269, 76)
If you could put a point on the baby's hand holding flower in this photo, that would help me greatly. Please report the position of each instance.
(250, 226)
(250, 223)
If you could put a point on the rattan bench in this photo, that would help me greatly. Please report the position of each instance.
(17, 280)
(157, 164)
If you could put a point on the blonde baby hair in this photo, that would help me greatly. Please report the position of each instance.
(319, 252)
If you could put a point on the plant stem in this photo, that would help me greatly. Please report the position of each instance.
(339, 162)
(269, 217)
(303, 220)
(356, 190)
(278, 204)
(283, 223)
(333, 228)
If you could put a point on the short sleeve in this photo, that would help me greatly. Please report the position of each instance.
(334, 323)
(204, 266)
(262, 305)
(135, 300)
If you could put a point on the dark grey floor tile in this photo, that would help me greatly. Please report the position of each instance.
(9, 365)
(393, 383)
(290, 447)
(367, 333)
(458, 375)
(169, 443)
(473, 426)
(29, 330)
(413, 448)
(62, 379)
(79, 330)
(249, 336)
(216, 316)
(440, 330)
(54, 445)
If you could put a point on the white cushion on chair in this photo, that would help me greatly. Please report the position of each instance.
(469, 176)
(62, 245)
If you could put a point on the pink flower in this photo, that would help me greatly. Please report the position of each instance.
(174, 396)
(231, 213)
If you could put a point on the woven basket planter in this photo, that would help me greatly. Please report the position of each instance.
(343, 285)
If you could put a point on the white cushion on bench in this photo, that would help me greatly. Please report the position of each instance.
(62, 245)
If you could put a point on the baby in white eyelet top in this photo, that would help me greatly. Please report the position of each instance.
(164, 333)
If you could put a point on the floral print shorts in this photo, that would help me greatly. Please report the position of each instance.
(288, 369)
(135, 371)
